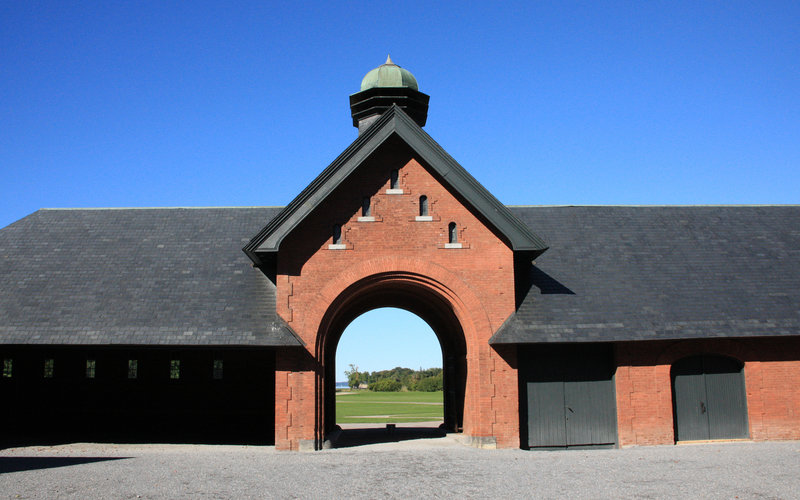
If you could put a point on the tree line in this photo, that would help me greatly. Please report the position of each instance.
(396, 379)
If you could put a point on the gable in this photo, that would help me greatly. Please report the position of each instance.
(394, 125)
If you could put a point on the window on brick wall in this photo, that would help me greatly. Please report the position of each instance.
(452, 233)
(133, 368)
(91, 364)
(337, 234)
(175, 369)
(423, 206)
(217, 372)
(49, 368)
(394, 179)
(366, 207)
(8, 368)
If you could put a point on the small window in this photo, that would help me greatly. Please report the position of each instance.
(8, 367)
(366, 208)
(394, 180)
(91, 364)
(423, 206)
(49, 368)
(175, 369)
(337, 234)
(452, 231)
(133, 368)
(217, 369)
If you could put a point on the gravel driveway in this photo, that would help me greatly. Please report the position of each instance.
(433, 468)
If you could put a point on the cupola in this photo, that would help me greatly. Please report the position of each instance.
(384, 86)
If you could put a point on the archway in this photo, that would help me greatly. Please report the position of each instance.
(412, 294)
(709, 399)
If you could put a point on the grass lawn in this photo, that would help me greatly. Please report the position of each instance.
(364, 407)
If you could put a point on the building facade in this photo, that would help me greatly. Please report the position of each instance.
(559, 326)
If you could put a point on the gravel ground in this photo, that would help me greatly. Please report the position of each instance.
(433, 468)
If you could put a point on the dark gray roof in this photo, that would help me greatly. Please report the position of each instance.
(645, 273)
(394, 122)
(178, 276)
(136, 276)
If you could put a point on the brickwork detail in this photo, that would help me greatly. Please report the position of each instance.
(644, 389)
(475, 281)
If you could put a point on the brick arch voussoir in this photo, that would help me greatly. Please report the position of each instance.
(718, 347)
(387, 270)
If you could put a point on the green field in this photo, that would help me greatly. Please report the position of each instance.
(362, 407)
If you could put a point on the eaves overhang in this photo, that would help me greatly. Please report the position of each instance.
(393, 122)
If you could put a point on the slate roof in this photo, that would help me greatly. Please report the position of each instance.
(667, 272)
(136, 276)
(178, 276)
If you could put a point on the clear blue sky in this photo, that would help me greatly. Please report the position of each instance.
(385, 338)
(243, 103)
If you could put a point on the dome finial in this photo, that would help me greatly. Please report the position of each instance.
(383, 87)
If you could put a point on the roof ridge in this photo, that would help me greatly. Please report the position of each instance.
(226, 207)
(744, 205)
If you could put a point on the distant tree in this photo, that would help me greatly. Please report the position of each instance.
(353, 377)
(406, 377)
(429, 384)
(386, 385)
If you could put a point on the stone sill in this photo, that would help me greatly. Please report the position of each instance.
(337, 246)
(394, 191)
(423, 218)
(366, 219)
(453, 245)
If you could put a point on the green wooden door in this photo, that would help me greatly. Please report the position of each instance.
(709, 398)
(570, 396)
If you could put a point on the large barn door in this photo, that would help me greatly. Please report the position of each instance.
(570, 396)
(709, 398)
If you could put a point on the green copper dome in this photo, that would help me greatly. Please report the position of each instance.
(389, 74)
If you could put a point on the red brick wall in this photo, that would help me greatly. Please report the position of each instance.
(476, 280)
(644, 392)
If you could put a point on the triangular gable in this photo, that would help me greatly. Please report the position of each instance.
(394, 122)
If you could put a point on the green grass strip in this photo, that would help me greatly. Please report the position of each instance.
(383, 407)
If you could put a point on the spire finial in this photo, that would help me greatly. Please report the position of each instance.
(389, 60)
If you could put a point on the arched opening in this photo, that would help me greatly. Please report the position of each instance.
(709, 399)
(388, 371)
(414, 297)
(452, 233)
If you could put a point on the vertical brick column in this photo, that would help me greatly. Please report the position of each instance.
(505, 402)
(773, 390)
(295, 383)
(644, 396)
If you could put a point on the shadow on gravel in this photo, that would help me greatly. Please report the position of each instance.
(166, 435)
(347, 438)
(19, 464)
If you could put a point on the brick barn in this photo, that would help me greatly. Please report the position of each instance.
(568, 326)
